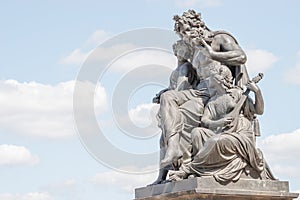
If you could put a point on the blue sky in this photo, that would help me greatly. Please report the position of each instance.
(43, 48)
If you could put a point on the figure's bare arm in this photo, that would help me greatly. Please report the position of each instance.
(225, 50)
(258, 106)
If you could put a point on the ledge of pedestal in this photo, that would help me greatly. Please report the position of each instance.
(206, 188)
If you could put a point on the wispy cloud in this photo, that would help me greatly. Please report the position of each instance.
(12, 155)
(76, 57)
(100, 54)
(96, 38)
(292, 75)
(80, 54)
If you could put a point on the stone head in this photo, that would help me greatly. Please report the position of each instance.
(182, 50)
(221, 76)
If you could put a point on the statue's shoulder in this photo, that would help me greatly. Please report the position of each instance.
(223, 35)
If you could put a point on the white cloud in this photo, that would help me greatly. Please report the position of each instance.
(89, 48)
(142, 57)
(76, 57)
(41, 110)
(97, 54)
(197, 3)
(259, 60)
(123, 182)
(79, 55)
(292, 75)
(282, 146)
(122, 56)
(100, 54)
(281, 151)
(96, 38)
(28, 196)
(16, 155)
(144, 114)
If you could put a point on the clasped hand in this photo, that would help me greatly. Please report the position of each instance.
(227, 121)
(252, 86)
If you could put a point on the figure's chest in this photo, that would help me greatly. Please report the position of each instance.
(201, 57)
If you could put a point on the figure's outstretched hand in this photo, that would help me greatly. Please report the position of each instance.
(155, 99)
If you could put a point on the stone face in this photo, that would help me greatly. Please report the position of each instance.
(207, 188)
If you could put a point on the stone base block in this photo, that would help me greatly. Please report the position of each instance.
(206, 188)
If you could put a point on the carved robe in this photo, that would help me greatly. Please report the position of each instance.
(226, 156)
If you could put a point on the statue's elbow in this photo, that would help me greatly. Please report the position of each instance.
(243, 59)
(260, 111)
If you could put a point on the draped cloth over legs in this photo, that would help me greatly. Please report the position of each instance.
(179, 113)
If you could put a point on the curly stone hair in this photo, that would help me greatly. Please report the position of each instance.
(224, 76)
(189, 24)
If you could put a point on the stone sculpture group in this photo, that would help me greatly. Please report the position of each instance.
(206, 115)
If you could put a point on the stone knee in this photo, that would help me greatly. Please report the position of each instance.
(196, 140)
(167, 97)
(196, 134)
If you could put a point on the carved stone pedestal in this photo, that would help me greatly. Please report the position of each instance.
(206, 188)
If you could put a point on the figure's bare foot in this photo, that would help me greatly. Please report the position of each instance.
(177, 175)
(158, 181)
(162, 175)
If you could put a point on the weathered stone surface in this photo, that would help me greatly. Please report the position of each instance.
(207, 188)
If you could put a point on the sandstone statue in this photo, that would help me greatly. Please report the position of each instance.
(200, 134)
